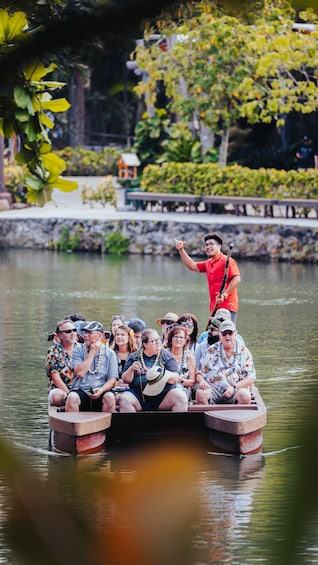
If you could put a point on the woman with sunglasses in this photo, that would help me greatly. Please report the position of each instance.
(124, 344)
(227, 370)
(190, 323)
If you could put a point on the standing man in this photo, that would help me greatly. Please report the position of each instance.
(59, 365)
(96, 371)
(214, 267)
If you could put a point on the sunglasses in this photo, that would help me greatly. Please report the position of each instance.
(73, 330)
(187, 324)
(117, 317)
(227, 332)
(166, 322)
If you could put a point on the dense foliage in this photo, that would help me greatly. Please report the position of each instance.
(210, 178)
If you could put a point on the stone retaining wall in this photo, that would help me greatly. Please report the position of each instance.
(251, 241)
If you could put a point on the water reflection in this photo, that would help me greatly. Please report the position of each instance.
(278, 320)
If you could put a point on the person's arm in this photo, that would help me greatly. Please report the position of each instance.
(81, 369)
(185, 258)
(233, 284)
(57, 381)
(316, 161)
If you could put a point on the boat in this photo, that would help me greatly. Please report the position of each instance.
(229, 428)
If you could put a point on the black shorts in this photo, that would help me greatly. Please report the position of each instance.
(151, 402)
(89, 404)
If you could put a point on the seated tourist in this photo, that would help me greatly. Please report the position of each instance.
(190, 322)
(227, 370)
(59, 365)
(124, 344)
(177, 343)
(96, 370)
(147, 389)
(169, 319)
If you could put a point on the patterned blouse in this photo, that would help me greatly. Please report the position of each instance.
(57, 359)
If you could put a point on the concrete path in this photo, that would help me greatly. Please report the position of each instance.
(69, 205)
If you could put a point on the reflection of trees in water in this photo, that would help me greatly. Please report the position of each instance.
(227, 492)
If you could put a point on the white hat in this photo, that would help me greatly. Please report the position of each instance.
(157, 378)
(227, 325)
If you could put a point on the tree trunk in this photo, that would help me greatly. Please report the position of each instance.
(76, 113)
(207, 139)
(224, 147)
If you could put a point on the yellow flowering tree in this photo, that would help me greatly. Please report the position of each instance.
(219, 68)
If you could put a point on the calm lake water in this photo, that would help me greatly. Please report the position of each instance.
(244, 505)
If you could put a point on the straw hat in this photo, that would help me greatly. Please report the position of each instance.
(157, 378)
(170, 317)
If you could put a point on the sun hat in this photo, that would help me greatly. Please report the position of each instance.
(157, 378)
(93, 327)
(222, 313)
(227, 325)
(170, 317)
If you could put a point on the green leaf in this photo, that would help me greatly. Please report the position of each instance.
(33, 182)
(22, 98)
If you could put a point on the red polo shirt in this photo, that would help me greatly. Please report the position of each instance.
(214, 269)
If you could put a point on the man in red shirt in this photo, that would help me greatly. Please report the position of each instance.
(214, 267)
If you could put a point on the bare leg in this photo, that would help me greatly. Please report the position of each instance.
(109, 402)
(72, 403)
(175, 400)
(243, 396)
(202, 396)
(58, 397)
(129, 403)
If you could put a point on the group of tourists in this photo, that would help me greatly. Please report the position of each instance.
(132, 367)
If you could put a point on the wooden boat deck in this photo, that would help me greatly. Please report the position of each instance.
(233, 428)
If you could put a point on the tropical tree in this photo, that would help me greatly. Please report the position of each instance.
(219, 68)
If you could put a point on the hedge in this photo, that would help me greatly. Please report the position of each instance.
(233, 180)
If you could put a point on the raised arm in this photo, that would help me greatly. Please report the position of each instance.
(185, 258)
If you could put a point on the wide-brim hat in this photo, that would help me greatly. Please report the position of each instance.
(157, 378)
(170, 317)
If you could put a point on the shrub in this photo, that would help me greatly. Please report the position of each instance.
(104, 193)
(233, 180)
(14, 182)
(116, 243)
(86, 162)
(70, 241)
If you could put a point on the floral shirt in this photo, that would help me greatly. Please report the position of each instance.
(57, 359)
(221, 371)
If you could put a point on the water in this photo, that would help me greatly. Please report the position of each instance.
(244, 505)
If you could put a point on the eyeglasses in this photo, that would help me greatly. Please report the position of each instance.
(166, 322)
(227, 332)
(117, 317)
(73, 330)
(187, 324)
(158, 340)
(211, 244)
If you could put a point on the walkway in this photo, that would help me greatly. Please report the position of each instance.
(69, 205)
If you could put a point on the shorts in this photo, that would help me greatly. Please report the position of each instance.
(89, 404)
(216, 396)
(151, 402)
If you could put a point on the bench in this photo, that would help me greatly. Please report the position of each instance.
(165, 200)
(295, 203)
(239, 203)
